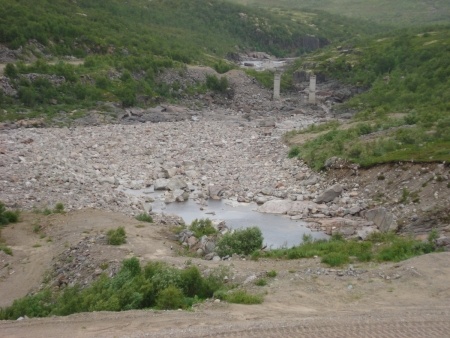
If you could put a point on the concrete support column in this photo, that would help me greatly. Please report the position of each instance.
(276, 85)
(312, 89)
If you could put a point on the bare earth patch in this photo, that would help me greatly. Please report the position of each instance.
(306, 298)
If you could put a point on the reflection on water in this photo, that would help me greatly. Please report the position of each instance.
(277, 230)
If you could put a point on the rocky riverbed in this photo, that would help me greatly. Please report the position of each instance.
(214, 146)
(217, 154)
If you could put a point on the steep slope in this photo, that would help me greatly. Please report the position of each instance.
(405, 114)
(395, 13)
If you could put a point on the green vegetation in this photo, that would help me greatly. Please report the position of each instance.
(240, 297)
(396, 13)
(125, 46)
(241, 241)
(144, 217)
(58, 209)
(338, 251)
(202, 227)
(117, 236)
(261, 282)
(8, 216)
(272, 274)
(405, 114)
(216, 84)
(156, 285)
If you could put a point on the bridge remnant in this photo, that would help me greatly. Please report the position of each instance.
(276, 85)
(312, 89)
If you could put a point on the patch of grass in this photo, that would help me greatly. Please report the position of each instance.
(7, 250)
(117, 236)
(272, 274)
(242, 297)
(338, 251)
(294, 152)
(335, 259)
(405, 196)
(261, 282)
(57, 209)
(8, 216)
(144, 217)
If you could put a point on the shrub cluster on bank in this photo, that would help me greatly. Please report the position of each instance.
(337, 251)
(156, 285)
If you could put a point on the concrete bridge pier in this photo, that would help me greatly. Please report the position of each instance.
(276, 85)
(312, 89)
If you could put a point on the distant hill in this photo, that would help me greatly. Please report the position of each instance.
(182, 30)
(386, 12)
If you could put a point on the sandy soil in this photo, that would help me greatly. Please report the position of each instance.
(306, 298)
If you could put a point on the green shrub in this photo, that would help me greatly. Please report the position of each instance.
(216, 84)
(156, 285)
(202, 227)
(11, 71)
(241, 241)
(7, 250)
(144, 217)
(59, 208)
(117, 236)
(272, 274)
(335, 259)
(241, 297)
(294, 152)
(222, 67)
(8, 216)
(261, 282)
(170, 298)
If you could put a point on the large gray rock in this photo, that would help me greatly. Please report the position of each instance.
(215, 192)
(330, 194)
(305, 208)
(210, 246)
(383, 219)
(176, 183)
(160, 184)
(276, 207)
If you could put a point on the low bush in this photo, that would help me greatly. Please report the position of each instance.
(241, 241)
(202, 227)
(156, 285)
(241, 297)
(59, 208)
(216, 84)
(272, 274)
(7, 250)
(8, 216)
(117, 236)
(337, 251)
(144, 217)
(170, 298)
(261, 282)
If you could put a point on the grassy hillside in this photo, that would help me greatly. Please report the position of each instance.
(405, 114)
(125, 45)
(387, 12)
(180, 29)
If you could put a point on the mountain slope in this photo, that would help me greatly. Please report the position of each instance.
(387, 12)
(404, 115)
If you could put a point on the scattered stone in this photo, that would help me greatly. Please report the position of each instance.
(330, 194)
(382, 218)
